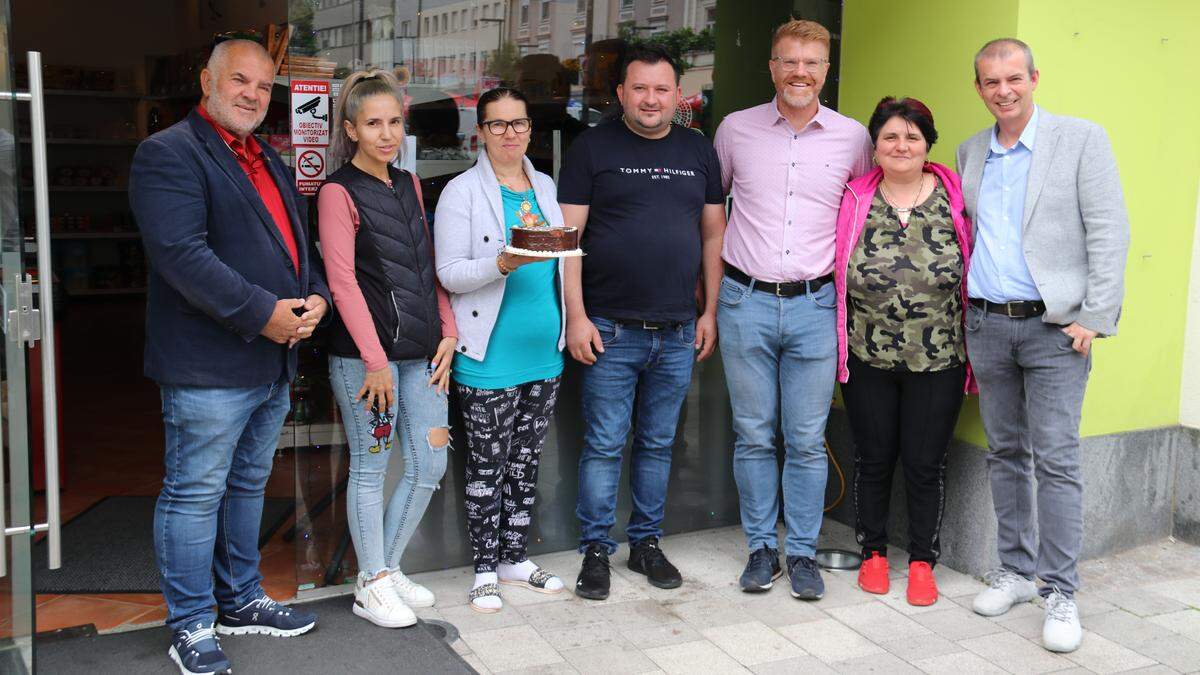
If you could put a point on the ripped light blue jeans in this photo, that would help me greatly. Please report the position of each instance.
(380, 536)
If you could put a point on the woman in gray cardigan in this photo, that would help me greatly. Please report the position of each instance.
(511, 333)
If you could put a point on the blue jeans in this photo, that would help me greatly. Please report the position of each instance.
(656, 366)
(220, 443)
(780, 357)
(380, 536)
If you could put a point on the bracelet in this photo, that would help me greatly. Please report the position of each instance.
(504, 270)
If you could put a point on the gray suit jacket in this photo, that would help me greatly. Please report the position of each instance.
(1075, 233)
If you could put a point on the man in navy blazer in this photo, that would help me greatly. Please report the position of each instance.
(231, 292)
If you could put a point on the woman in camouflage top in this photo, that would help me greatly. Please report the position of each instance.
(900, 272)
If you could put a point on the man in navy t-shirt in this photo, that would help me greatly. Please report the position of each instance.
(648, 201)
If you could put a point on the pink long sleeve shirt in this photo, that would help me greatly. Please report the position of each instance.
(786, 187)
(338, 225)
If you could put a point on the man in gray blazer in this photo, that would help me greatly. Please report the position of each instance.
(1046, 278)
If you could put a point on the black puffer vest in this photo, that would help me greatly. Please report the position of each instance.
(393, 263)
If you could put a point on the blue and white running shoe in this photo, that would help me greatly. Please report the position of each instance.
(264, 616)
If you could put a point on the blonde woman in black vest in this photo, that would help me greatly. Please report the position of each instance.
(392, 341)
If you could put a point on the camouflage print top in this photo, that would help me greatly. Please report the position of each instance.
(903, 302)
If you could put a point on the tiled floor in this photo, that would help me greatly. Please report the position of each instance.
(1140, 613)
(127, 610)
(111, 437)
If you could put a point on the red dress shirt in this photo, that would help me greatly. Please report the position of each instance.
(250, 157)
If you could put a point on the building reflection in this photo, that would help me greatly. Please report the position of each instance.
(564, 55)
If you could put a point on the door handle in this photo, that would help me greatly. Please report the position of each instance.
(41, 200)
(27, 325)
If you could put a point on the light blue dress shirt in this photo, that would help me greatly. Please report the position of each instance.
(998, 271)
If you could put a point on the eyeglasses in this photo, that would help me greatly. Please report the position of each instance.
(252, 35)
(500, 127)
(790, 65)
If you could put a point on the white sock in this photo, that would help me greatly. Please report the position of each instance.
(521, 571)
(489, 602)
(516, 571)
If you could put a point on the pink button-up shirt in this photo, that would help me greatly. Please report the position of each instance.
(787, 187)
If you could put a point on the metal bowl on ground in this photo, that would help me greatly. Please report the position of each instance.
(838, 559)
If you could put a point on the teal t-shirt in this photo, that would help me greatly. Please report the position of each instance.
(524, 343)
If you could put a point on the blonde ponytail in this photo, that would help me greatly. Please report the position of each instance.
(359, 86)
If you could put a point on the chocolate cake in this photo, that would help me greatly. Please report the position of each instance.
(545, 238)
(534, 235)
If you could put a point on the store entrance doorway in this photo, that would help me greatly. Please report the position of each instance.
(113, 73)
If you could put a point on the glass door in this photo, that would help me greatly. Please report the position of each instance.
(26, 320)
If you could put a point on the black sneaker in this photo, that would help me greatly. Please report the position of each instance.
(645, 557)
(264, 616)
(593, 581)
(196, 650)
(762, 570)
(806, 578)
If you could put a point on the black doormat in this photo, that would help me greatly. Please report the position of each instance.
(109, 548)
(341, 643)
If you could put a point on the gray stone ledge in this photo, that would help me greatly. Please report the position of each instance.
(1139, 487)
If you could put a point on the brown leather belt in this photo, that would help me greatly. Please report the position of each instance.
(784, 289)
(1020, 309)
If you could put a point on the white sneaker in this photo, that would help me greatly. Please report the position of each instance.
(1005, 589)
(412, 593)
(377, 602)
(1061, 631)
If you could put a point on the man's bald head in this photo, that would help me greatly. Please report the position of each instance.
(230, 49)
(237, 85)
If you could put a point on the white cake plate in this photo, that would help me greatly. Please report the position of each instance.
(573, 253)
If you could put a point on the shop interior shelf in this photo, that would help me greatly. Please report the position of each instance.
(83, 188)
(120, 95)
(181, 96)
(89, 141)
(85, 93)
(106, 291)
(96, 235)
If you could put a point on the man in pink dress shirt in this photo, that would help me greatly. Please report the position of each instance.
(785, 163)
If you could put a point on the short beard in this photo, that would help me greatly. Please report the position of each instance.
(794, 100)
(221, 111)
(633, 120)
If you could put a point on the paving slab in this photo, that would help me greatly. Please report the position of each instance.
(710, 626)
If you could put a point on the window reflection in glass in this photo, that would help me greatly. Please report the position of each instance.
(564, 55)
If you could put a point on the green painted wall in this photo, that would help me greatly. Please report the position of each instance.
(922, 49)
(1128, 66)
(1083, 49)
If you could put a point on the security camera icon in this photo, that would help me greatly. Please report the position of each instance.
(311, 107)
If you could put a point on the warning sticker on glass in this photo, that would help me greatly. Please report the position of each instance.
(310, 112)
(310, 168)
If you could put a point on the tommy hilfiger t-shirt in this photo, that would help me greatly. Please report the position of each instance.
(642, 237)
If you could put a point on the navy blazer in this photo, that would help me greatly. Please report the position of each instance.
(217, 261)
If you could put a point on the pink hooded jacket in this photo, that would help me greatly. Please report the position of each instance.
(856, 202)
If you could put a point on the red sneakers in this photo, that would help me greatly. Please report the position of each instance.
(922, 587)
(873, 574)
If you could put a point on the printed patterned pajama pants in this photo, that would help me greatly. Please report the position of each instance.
(505, 429)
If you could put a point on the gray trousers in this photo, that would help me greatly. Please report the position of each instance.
(1031, 385)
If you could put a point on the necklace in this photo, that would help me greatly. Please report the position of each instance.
(901, 212)
(512, 181)
(516, 183)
